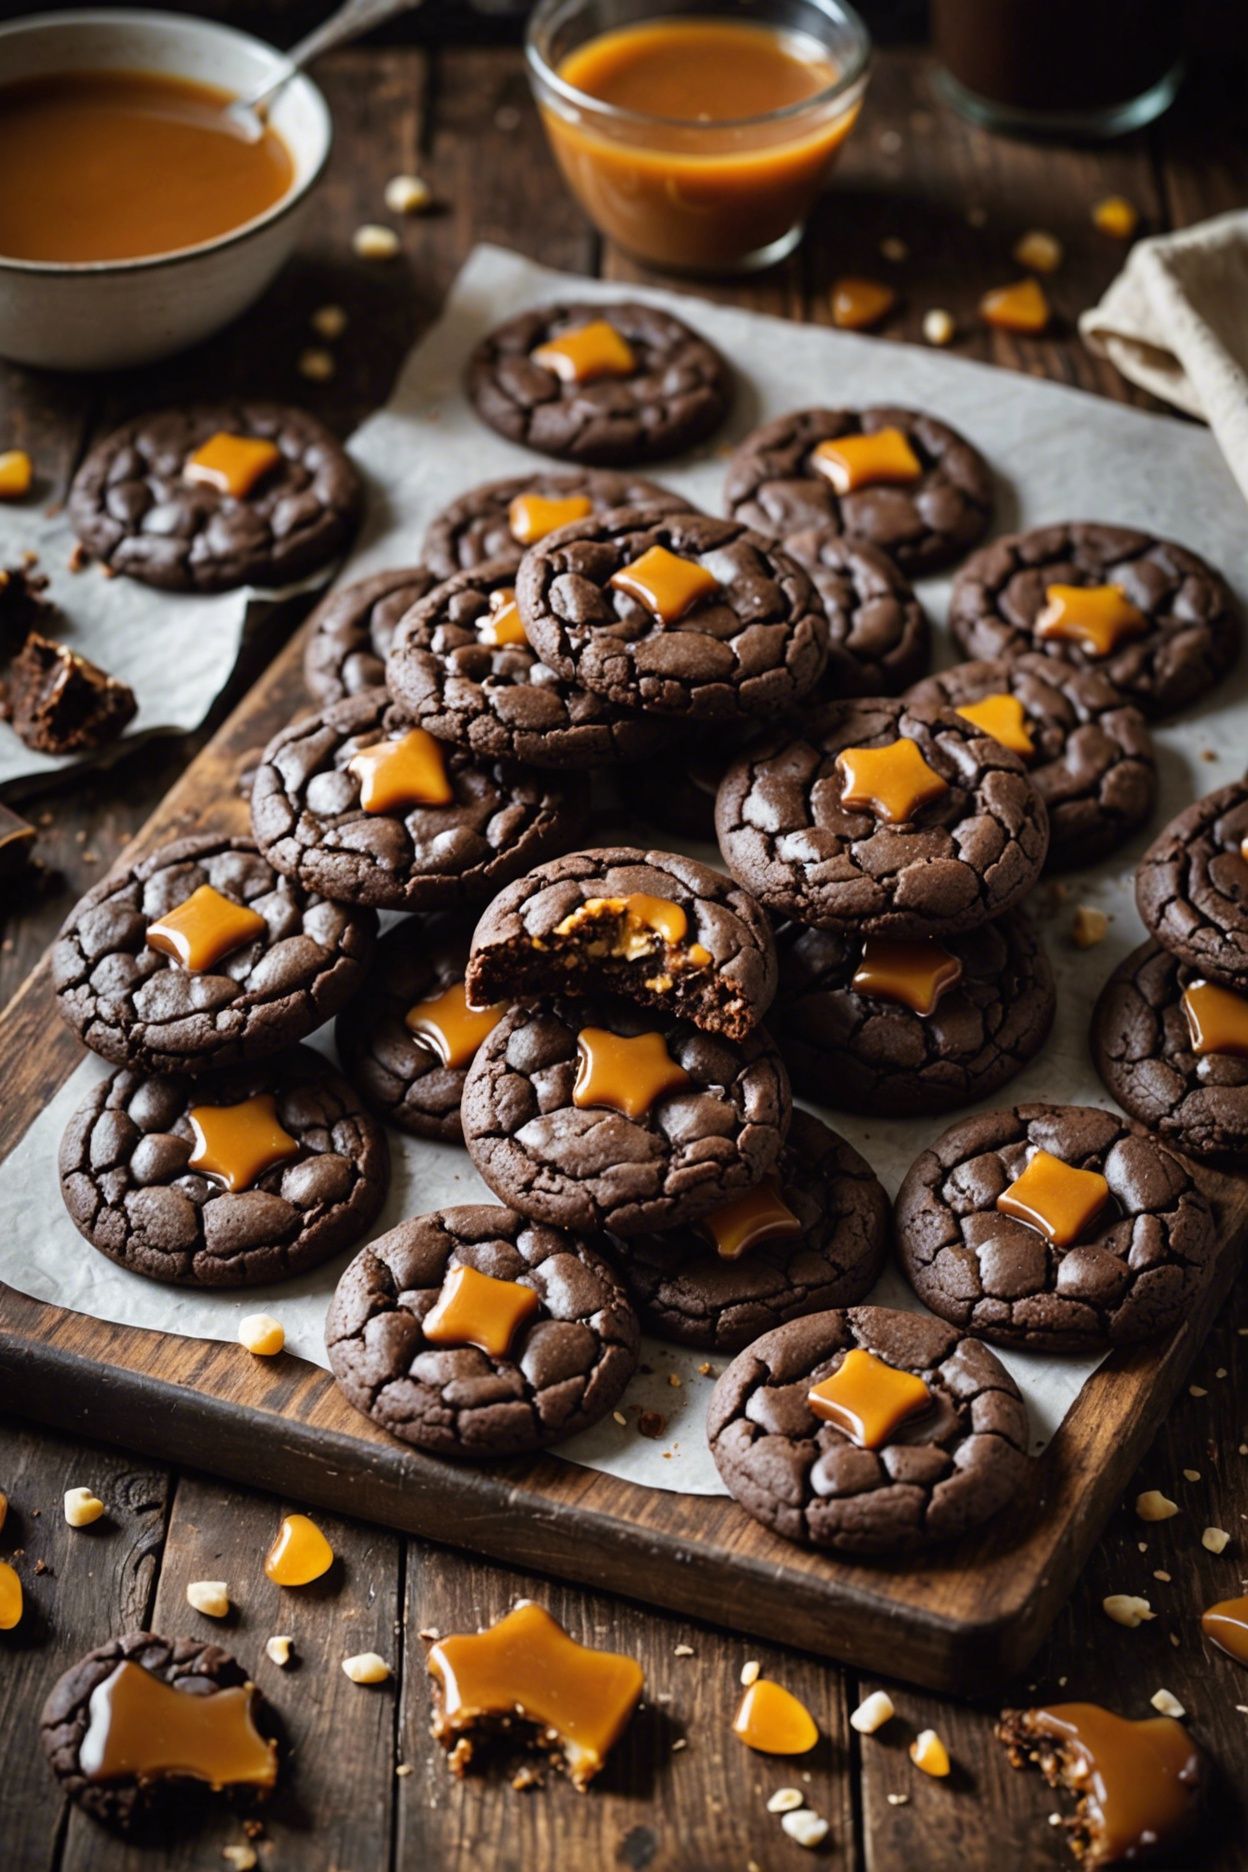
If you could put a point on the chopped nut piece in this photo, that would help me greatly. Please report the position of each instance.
(316, 365)
(619, 1417)
(366, 1668)
(929, 1753)
(403, 1770)
(938, 326)
(894, 249)
(1191, 1475)
(807, 1828)
(209, 1596)
(898, 1800)
(1090, 927)
(408, 194)
(242, 1858)
(1215, 1539)
(329, 322)
(16, 474)
(873, 1712)
(674, 1379)
(1018, 308)
(683, 1650)
(1127, 1609)
(373, 242)
(1167, 1705)
(280, 1649)
(82, 1507)
(1159, 1573)
(1115, 216)
(1196, 1390)
(750, 1672)
(1038, 252)
(786, 1800)
(1152, 1505)
(262, 1334)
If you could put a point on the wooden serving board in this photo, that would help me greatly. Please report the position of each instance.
(964, 1620)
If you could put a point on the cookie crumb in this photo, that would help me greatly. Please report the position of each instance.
(674, 1379)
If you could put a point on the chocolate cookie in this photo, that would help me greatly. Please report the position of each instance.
(660, 929)
(461, 666)
(648, 389)
(815, 1238)
(1091, 756)
(479, 525)
(350, 632)
(775, 484)
(1143, 1045)
(133, 506)
(1191, 886)
(678, 792)
(268, 959)
(566, 1360)
(189, 1666)
(880, 638)
(945, 1469)
(942, 835)
(1109, 1275)
(158, 1180)
(728, 625)
(695, 1120)
(459, 827)
(870, 1050)
(1184, 639)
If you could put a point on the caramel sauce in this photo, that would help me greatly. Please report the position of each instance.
(116, 165)
(478, 1310)
(772, 1720)
(756, 1216)
(1217, 1019)
(449, 1027)
(236, 1144)
(625, 1073)
(204, 929)
(667, 585)
(915, 974)
(868, 1399)
(893, 782)
(1226, 1625)
(1053, 1197)
(1139, 1779)
(140, 1728)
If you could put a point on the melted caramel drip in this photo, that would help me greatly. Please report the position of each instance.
(1019, 308)
(232, 464)
(625, 1073)
(449, 1027)
(1226, 1625)
(140, 1728)
(300, 1553)
(1005, 719)
(893, 782)
(1139, 1778)
(772, 1720)
(204, 929)
(1217, 1019)
(868, 1399)
(591, 351)
(1096, 617)
(530, 517)
(1058, 1200)
(915, 974)
(501, 623)
(395, 775)
(756, 1216)
(667, 585)
(478, 1310)
(858, 304)
(236, 1144)
(885, 457)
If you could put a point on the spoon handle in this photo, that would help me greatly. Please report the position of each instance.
(347, 22)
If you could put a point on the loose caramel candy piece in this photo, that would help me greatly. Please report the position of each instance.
(205, 928)
(641, 924)
(1096, 617)
(236, 1144)
(1053, 1197)
(16, 474)
(858, 304)
(625, 1073)
(232, 464)
(868, 1399)
(884, 458)
(772, 1720)
(1141, 1781)
(526, 1665)
(140, 1728)
(756, 1216)
(1004, 718)
(1226, 1625)
(530, 517)
(300, 1553)
(478, 1310)
(667, 585)
(593, 350)
(915, 974)
(1115, 216)
(10, 1597)
(449, 1027)
(893, 782)
(501, 623)
(1217, 1019)
(1018, 308)
(395, 775)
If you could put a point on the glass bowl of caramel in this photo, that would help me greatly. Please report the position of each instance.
(696, 134)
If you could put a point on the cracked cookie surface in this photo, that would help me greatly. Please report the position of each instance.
(476, 527)
(351, 632)
(1191, 886)
(880, 640)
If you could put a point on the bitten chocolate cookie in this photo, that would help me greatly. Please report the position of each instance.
(472, 1332)
(594, 1115)
(356, 802)
(462, 667)
(261, 1173)
(1088, 754)
(894, 1029)
(1173, 1050)
(811, 1235)
(351, 631)
(1191, 886)
(607, 384)
(686, 615)
(107, 1708)
(868, 1431)
(658, 928)
(879, 635)
(217, 495)
(1150, 615)
(202, 955)
(1060, 1227)
(883, 818)
(502, 518)
(897, 478)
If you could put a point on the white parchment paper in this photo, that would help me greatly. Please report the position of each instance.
(1058, 454)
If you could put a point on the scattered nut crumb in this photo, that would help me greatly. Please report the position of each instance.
(681, 1742)
(976, 216)
(705, 1369)
(1038, 252)
(402, 1770)
(1215, 1539)
(280, 1649)
(807, 1828)
(373, 242)
(1090, 927)
(82, 1507)
(1115, 216)
(1152, 1505)
(938, 326)
(750, 1672)
(873, 1712)
(620, 1418)
(1160, 1573)
(929, 1753)
(1196, 1390)
(315, 364)
(1191, 1475)
(898, 1800)
(242, 1858)
(209, 1596)
(366, 1668)
(527, 1776)
(429, 1633)
(408, 194)
(894, 249)
(889, 142)
(674, 1379)
(1127, 1609)
(1167, 1705)
(329, 322)
(786, 1800)
(682, 1650)
(262, 1334)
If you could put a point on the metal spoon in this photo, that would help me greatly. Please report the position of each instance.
(348, 22)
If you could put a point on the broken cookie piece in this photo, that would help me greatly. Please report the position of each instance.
(23, 606)
(60, 703)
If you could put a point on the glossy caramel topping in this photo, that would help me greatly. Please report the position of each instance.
(478, 1310)
(626, 1074)
(747, 1221)
(1018, 308)
(141, 1728)
(531, 517)
(772, 1720)
(449, 1027)
(667, 585)
(1053, 1197)
(915, 974)
(395, 775)
(593, 350)
(893, 782)
(300, 1553)
(232, 464)
(883, 458)
(1140, 1779)
(501, 623)
(1096, 617)
(1217, 1019)
(858, 304)
(236, 1144)
(630, 927)
(868, 1399)
(1005, 719)
(527, 1665)
(10, 1597)
(1226, 1625)
(204, 929)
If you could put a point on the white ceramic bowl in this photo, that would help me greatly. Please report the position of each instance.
(106, 314)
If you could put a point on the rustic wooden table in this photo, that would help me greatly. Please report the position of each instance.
(369, 1789)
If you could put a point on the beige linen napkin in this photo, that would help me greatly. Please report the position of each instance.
(1175, 321)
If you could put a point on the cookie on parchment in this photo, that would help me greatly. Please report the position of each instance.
(880, 640)
(1191, 886)
(500, 518)
(350, 632)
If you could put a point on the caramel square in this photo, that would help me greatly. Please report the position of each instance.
(667, 585)
(232, 464)
(396, 775)
(883, 458)
(893, 782)
(204, 929)
(590, 351)
(1055, 1198)
(868, 1399)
